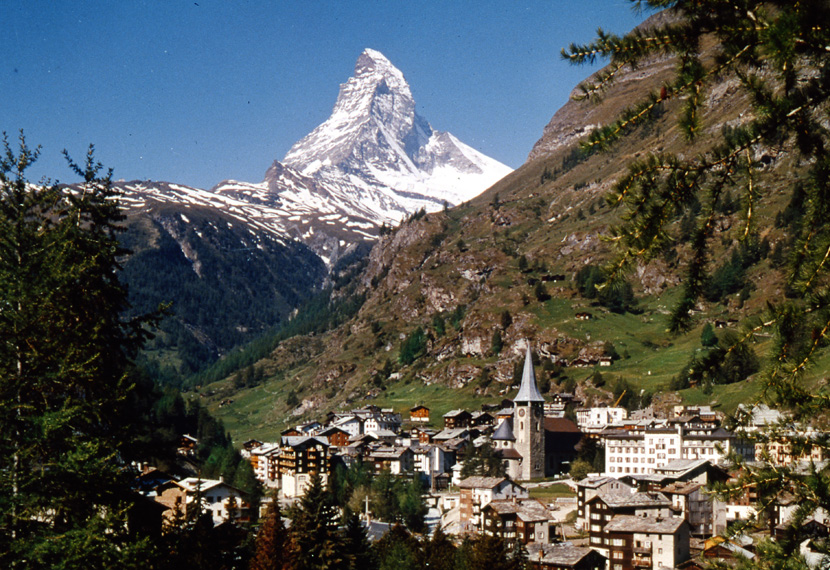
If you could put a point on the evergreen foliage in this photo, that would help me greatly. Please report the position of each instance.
(482, 461)
(496, 343)
(413, 347)
(316, 543)
(618, 296)
(64, 372)
(271, 542)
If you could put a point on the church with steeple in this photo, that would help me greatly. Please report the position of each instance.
(521, 439)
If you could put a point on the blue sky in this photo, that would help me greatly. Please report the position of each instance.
(197, 92)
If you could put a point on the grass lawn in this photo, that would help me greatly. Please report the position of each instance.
(554, 491)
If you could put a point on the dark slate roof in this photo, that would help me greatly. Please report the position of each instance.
(651, 525)
(528, 391)
(504, 432)
(564, 554)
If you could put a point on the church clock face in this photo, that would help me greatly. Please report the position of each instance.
(521, 412)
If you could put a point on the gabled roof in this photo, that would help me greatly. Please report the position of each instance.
(303, 440)
(622, 500)
(651, 525)
(561, 425)
(529, 510)
(454, 433)
(594, 482)
(333, 429)
(508, 453)
(528, 391)
(564, 554)
(456, 413)
(485, 482)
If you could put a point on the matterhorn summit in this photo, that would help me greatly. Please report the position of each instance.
(376, 142)
(374, 161)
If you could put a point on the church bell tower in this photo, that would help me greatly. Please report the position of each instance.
(529, 423)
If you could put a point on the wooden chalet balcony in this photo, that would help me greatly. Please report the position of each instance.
(642, 550)
(641, 562)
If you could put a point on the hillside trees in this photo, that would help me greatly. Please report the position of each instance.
(64, 361)
(774, 53)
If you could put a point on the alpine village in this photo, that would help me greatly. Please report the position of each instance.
(612, 358)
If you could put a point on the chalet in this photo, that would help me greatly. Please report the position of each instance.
(563, 556)
(423, 435)
(690, 501)
(419, 414)
(384, 435)
(719, 548)
(397, 460)
(385, 420)
(480, 419)
(173, 497)
(223, 501)
(477, 492)
(337, 436)
(300, 456)
(187, 445)
(590, 487)
(643, 542)
(457, 419)
(522, 520)
(350, 423)
(249, 445)
(265, 463)
(603, 508)
(584, 316)
(309, 428)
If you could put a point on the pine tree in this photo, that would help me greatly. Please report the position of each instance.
(356, 545)
(316, 543)
(438, 553)
(490, 553)
(64, 361)
(271, 542)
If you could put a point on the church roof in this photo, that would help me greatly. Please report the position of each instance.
(504, 432)
(528, 391)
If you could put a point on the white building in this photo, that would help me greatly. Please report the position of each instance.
(641, 452)
(218, 498)
(596, 419)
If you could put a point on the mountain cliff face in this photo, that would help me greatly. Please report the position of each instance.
(375, 161)
(507, 261)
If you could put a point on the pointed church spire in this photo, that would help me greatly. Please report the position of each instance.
(528, 391)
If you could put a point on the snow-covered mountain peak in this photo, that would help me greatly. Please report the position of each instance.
(373, 66)
(374, 139)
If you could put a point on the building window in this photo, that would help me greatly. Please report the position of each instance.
(617, 542)
(617, 555)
